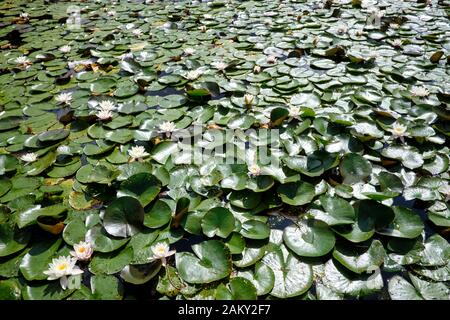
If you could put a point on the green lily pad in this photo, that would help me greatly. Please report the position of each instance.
(123, 217)
(142, 186)
(292, 277)
(296, 193)
(309, 239)
(237, 289)
(159, 215)
(210, 262)
(354, 168)
(218, 222)
(360, 259)
(36, 261)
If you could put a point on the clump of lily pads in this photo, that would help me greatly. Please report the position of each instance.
(252, 150)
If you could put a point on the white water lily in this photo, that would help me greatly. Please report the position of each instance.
(82, 251)
(397, 43)
(342, 29)
(420, 92)
(359, 32)
(64, 150)
(373, 54)
(138, 153)
(161, 251)
(394, 26)
(65, 49)
(219, 65)
(106, 105)
(254, 170)
(294, 112)
(399, 129)
(167, 127)
(137, 32)
(104, 114)
(202, 29)
(189, 51)
(256, 69)
(29, 157)
(248, 99)
(22, 60)
(24, 15)
(271, 59)
(193, 74)
(84, 63)
(61, 268)
(111, 13)
(376, 13)
(65, 98)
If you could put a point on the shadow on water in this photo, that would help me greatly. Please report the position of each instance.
(165, 92)
(185, 244)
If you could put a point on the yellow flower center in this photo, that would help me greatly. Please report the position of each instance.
(82, 249)
(399, 130)
(62, 267)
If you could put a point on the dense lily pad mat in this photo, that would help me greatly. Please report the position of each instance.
(354, 204)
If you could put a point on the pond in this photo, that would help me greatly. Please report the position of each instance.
(227, 149)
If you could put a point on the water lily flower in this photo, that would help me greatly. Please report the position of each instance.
(256, 69)
(271, 59)
(107, 105)
(65, 98)
(161, 252)
(64, 150)
(29, 157)
(82, 251)
(254, 170)
(137, 32)
(397, 43)
(137, 153)
(193, 74)
(111, 13)
(394, 26)
(294, 112)
(104, 114)
(359, 32)
(203, 28)
(373, 54)
(65, 49)
(22, 60)
(399, 130)
(342, 29)
(248, 99)
(24, 16)
(219, 65)
(84, 63)
(376, 12)
(62, 267)
(420, 92)
(189, 51)
(167, 127)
